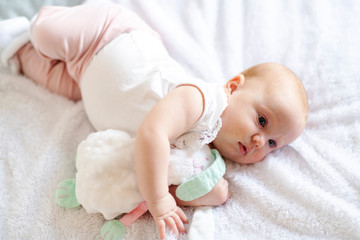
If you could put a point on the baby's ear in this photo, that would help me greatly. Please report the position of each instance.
(235, 83)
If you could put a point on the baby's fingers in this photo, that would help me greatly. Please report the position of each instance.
(161, 226)
(170, 222)
(179, 224)
(182, 215)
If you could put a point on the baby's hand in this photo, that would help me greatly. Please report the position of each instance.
(166, 213)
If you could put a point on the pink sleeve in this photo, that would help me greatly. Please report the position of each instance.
(75, 34)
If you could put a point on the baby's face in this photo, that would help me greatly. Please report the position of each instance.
(257, 121)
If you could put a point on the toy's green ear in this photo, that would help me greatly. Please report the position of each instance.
(65, 194)
(204, 182)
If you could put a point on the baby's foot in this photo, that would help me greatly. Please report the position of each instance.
(14, 33)
(11, 28)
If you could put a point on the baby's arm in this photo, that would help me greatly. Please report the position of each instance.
(217, 196)
(169, 119)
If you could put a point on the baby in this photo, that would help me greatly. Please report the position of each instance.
(108, 57)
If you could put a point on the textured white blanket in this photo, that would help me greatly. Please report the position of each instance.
(308, 190)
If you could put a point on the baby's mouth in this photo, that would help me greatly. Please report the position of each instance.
(242, 148)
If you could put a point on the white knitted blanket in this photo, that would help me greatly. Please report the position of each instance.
(308, 190)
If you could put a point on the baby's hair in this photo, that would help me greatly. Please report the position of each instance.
(289, 77)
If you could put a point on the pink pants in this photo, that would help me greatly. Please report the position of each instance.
(65, 39)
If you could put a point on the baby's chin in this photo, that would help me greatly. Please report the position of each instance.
(245, 159)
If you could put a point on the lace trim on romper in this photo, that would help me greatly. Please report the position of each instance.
(198, 139)
(208, 126)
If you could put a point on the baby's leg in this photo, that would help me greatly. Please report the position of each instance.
(61, 44)
(75, 34)
(67, 38)
(49, 73)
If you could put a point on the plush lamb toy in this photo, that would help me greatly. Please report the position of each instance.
(106, 179)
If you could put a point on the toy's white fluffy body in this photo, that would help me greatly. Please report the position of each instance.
(106, 179)
(103, 170)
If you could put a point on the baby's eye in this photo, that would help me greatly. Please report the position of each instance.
(272, 143)
(262, 121)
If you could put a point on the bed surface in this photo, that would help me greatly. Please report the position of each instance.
(308, 190)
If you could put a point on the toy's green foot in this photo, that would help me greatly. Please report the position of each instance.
(113, 230)
(65, 194)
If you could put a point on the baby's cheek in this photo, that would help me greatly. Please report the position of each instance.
(259, 155)
(268, 151)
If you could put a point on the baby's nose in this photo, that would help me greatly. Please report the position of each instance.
(258, 140)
